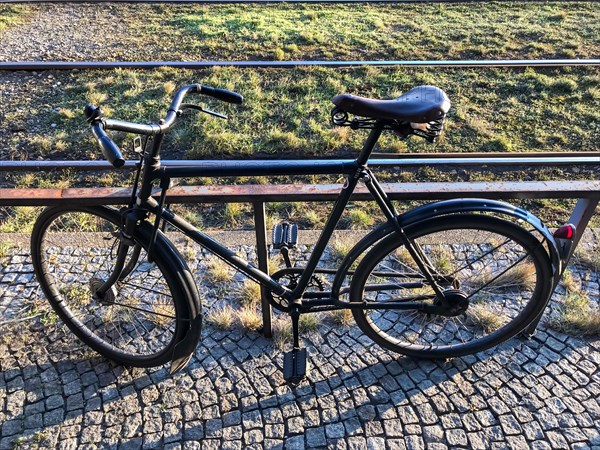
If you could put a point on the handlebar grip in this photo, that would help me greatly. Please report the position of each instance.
(110, 150)
(222, 94)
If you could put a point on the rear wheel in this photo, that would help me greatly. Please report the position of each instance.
(495, 277)
(136, 322)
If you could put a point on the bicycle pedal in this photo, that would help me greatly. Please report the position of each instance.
(294, 365)
(285, 234)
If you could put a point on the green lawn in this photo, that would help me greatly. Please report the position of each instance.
(11, 15)
(379, 31)
(286, 112)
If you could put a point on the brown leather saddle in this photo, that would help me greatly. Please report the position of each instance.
(422, 104)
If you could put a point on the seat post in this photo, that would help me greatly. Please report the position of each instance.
(369, 145)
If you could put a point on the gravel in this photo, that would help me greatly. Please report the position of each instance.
(76, 32)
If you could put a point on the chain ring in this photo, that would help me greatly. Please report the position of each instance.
(291, 275)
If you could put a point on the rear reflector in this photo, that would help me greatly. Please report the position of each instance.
(565, 232)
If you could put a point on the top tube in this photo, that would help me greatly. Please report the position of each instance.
(257, 168)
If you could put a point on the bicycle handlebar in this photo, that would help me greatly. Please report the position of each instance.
(112, 152)
(221, 94)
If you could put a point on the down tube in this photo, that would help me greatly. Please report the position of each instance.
(223, 252)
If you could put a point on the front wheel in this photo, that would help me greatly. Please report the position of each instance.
(138, 321)
(494, 277)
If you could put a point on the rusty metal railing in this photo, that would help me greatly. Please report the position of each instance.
(587, 191)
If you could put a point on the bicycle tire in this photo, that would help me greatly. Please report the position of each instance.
(141, 320)
(470, 250)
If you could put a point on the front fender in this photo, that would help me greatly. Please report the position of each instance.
(190, 319)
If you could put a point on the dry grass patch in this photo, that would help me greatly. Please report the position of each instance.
(233, 213)
(218, 270)
(404, 257)
(522, 276)
(249, 294)
(282, 332)
(577, 316)
(309, 322)
(569, 282)
(588, 257)
(342, 317)
(442, 259)
(249, 318)
(312, 218)
(189, 253)
(483, 319)
(221, 317)
(163, 312)
(340, 247)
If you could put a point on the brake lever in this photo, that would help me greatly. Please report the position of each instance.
(201, 109)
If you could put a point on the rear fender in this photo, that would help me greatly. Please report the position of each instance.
(447, 207)
(459, 206)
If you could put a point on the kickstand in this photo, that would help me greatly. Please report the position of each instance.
(294, 361)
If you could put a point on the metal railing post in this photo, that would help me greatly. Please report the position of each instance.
(262, 254)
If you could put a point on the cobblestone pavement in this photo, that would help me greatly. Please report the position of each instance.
(541, 393)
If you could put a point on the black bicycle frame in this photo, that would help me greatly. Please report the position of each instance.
(354, 172)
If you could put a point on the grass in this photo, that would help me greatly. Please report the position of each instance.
(249, 318)
(484, 319)
(282, 332)
(342, 317)
(384, 31)
(5, 249)
(76, 294)
(11, 15)
(221, 317)
(189, 253)
(218, 271)
(340, 247)
(312, 218)
(162, 311)
(522, 276)
(569, 282)
(577, 316)
(360, 219)
(18, 219)
(233, 213)
(442, 259)
(403, 256)
(249, 293)
(530, 115)
(309, 322)
(286, 112)
(588, 257)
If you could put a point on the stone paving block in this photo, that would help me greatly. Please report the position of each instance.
(540, 393)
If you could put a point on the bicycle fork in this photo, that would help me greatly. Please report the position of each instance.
(100, 288)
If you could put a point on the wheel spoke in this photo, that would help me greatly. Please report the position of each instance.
(136, 318)
(490, 271)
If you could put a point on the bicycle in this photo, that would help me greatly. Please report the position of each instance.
(442, 280)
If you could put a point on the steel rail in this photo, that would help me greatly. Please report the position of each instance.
(97, 65)
(259, 1)
(593, 158)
